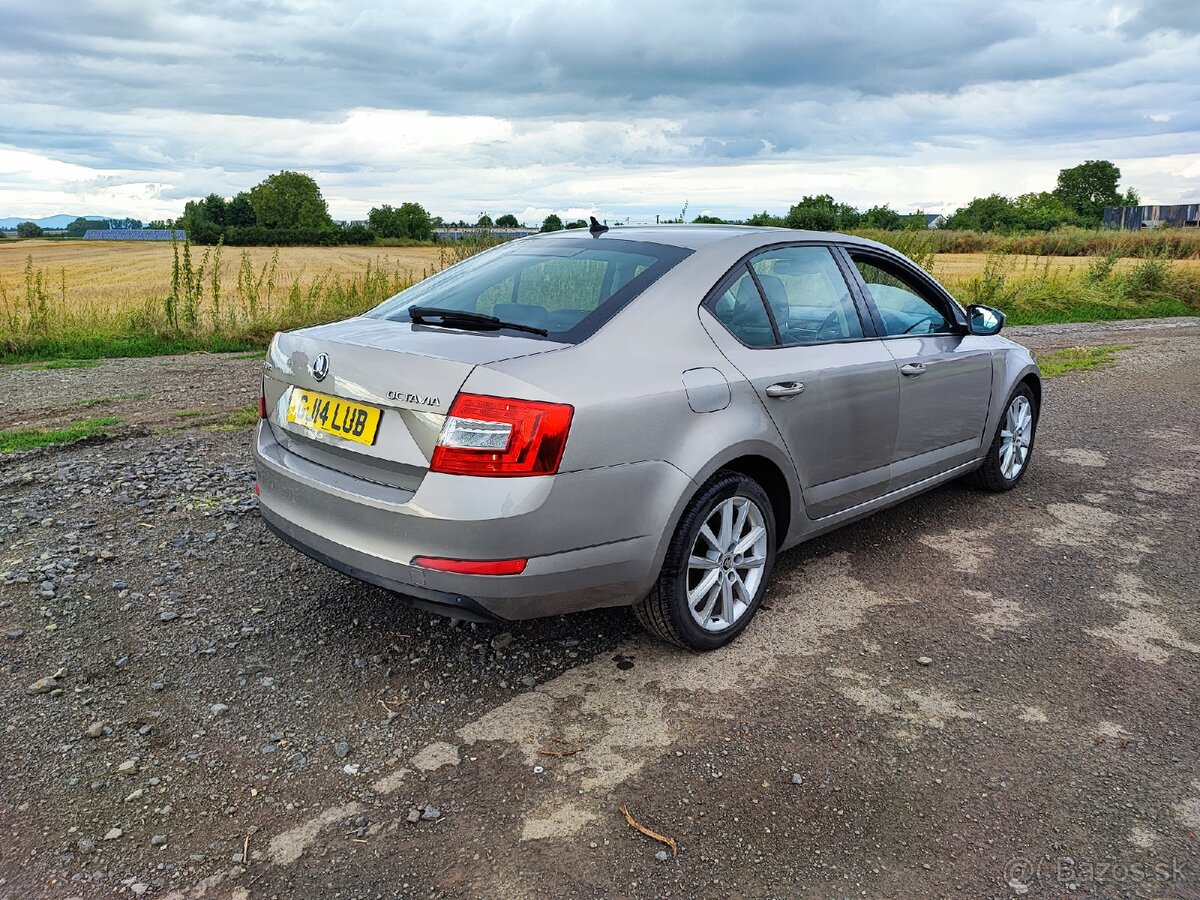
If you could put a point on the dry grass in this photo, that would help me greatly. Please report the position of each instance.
(955, 268)
(116, 276)
(91, 299)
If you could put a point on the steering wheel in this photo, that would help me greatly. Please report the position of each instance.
(918, 322)
(831, 328)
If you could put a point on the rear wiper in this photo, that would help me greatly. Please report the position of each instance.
(461, 318)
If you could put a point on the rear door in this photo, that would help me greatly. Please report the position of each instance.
(794, 330)
(944, 373)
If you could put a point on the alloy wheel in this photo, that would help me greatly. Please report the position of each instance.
(725, 568)
(1016, 437)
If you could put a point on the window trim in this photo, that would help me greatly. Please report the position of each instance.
(870, 328)
(922, 284)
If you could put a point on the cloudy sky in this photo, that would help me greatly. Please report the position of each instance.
(627, 109)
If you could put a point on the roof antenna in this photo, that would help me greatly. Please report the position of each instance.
(596, 229)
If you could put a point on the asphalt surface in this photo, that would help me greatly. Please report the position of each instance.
(969, 695)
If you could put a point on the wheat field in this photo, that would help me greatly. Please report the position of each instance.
(114, 276)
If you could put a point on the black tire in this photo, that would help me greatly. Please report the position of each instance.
(664, 611)
(989, 476)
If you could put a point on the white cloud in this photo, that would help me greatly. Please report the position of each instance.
(620, 108)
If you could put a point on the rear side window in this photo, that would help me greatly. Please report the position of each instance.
(808, 295)
(740, 309)
(568, 287)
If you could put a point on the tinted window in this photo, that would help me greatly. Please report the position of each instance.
(808, 295)
(901, 307)
(567, 287)
(740, 309)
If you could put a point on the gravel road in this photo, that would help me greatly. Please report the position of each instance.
(966, 696)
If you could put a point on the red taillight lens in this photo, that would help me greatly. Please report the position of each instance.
(501, 436)
(262, 399)
(472, 566)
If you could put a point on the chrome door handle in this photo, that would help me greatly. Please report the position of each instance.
(912, 370)
(785, 389)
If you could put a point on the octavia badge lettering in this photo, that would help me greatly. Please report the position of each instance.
(320, 367)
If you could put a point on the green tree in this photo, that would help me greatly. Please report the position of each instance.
(485, 221)
(215, 210)
(290, 200)
(410, 220)
(415, 221)
(1043, 212)
(765, 218)
(551, 223)
(1089, 187)
(508, 220)
(578, 223)
(707, 220)
(29, 230)
(992, 213)
(80, 226)
(240, 211)
(883, 217)
(822, 213)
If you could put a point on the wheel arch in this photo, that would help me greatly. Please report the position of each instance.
(1034, 381)
(766, 465)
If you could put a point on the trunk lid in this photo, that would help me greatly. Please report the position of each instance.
(409, 373)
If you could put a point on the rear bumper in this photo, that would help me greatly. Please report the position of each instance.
(592, 538)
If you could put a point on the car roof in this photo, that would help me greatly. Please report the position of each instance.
(694, 237)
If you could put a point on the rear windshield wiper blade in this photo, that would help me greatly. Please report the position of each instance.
(461, 318)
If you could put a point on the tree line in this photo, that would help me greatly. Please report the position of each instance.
(288, 208)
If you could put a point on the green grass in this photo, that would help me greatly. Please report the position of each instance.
(67, 364)
(84, 346)
(238, 419)
(12, 441)
(1054, 363)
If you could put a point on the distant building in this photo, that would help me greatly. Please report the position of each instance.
(132, 234)
(1133, 218)
(934, 220)
(458, 234)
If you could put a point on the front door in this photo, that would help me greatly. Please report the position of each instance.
(944, 373)
(830, 390)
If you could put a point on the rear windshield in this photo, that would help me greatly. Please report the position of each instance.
(570, 288)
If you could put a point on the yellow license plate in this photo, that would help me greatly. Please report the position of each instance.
(334, 415)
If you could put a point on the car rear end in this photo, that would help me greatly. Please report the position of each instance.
(405, 456)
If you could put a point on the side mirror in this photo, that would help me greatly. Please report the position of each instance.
(984, 320)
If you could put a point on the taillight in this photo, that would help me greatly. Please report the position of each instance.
(501, 436)
(472, 566)
(262, 399)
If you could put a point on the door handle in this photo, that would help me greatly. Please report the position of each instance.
(785, 390)
(912, 370)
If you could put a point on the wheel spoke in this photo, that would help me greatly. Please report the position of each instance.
(753, 562)
(701, 562)
(704, 616)
(726, 533)
(696, 594)
(741, 590)
(739, 524)
(749, 540)
(727, 603)
(707, 534)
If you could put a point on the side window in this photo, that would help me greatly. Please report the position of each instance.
(741, 310)
(808, 295)
(901, 307)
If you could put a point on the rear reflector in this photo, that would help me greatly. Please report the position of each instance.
(499, 436)
(472, 566)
